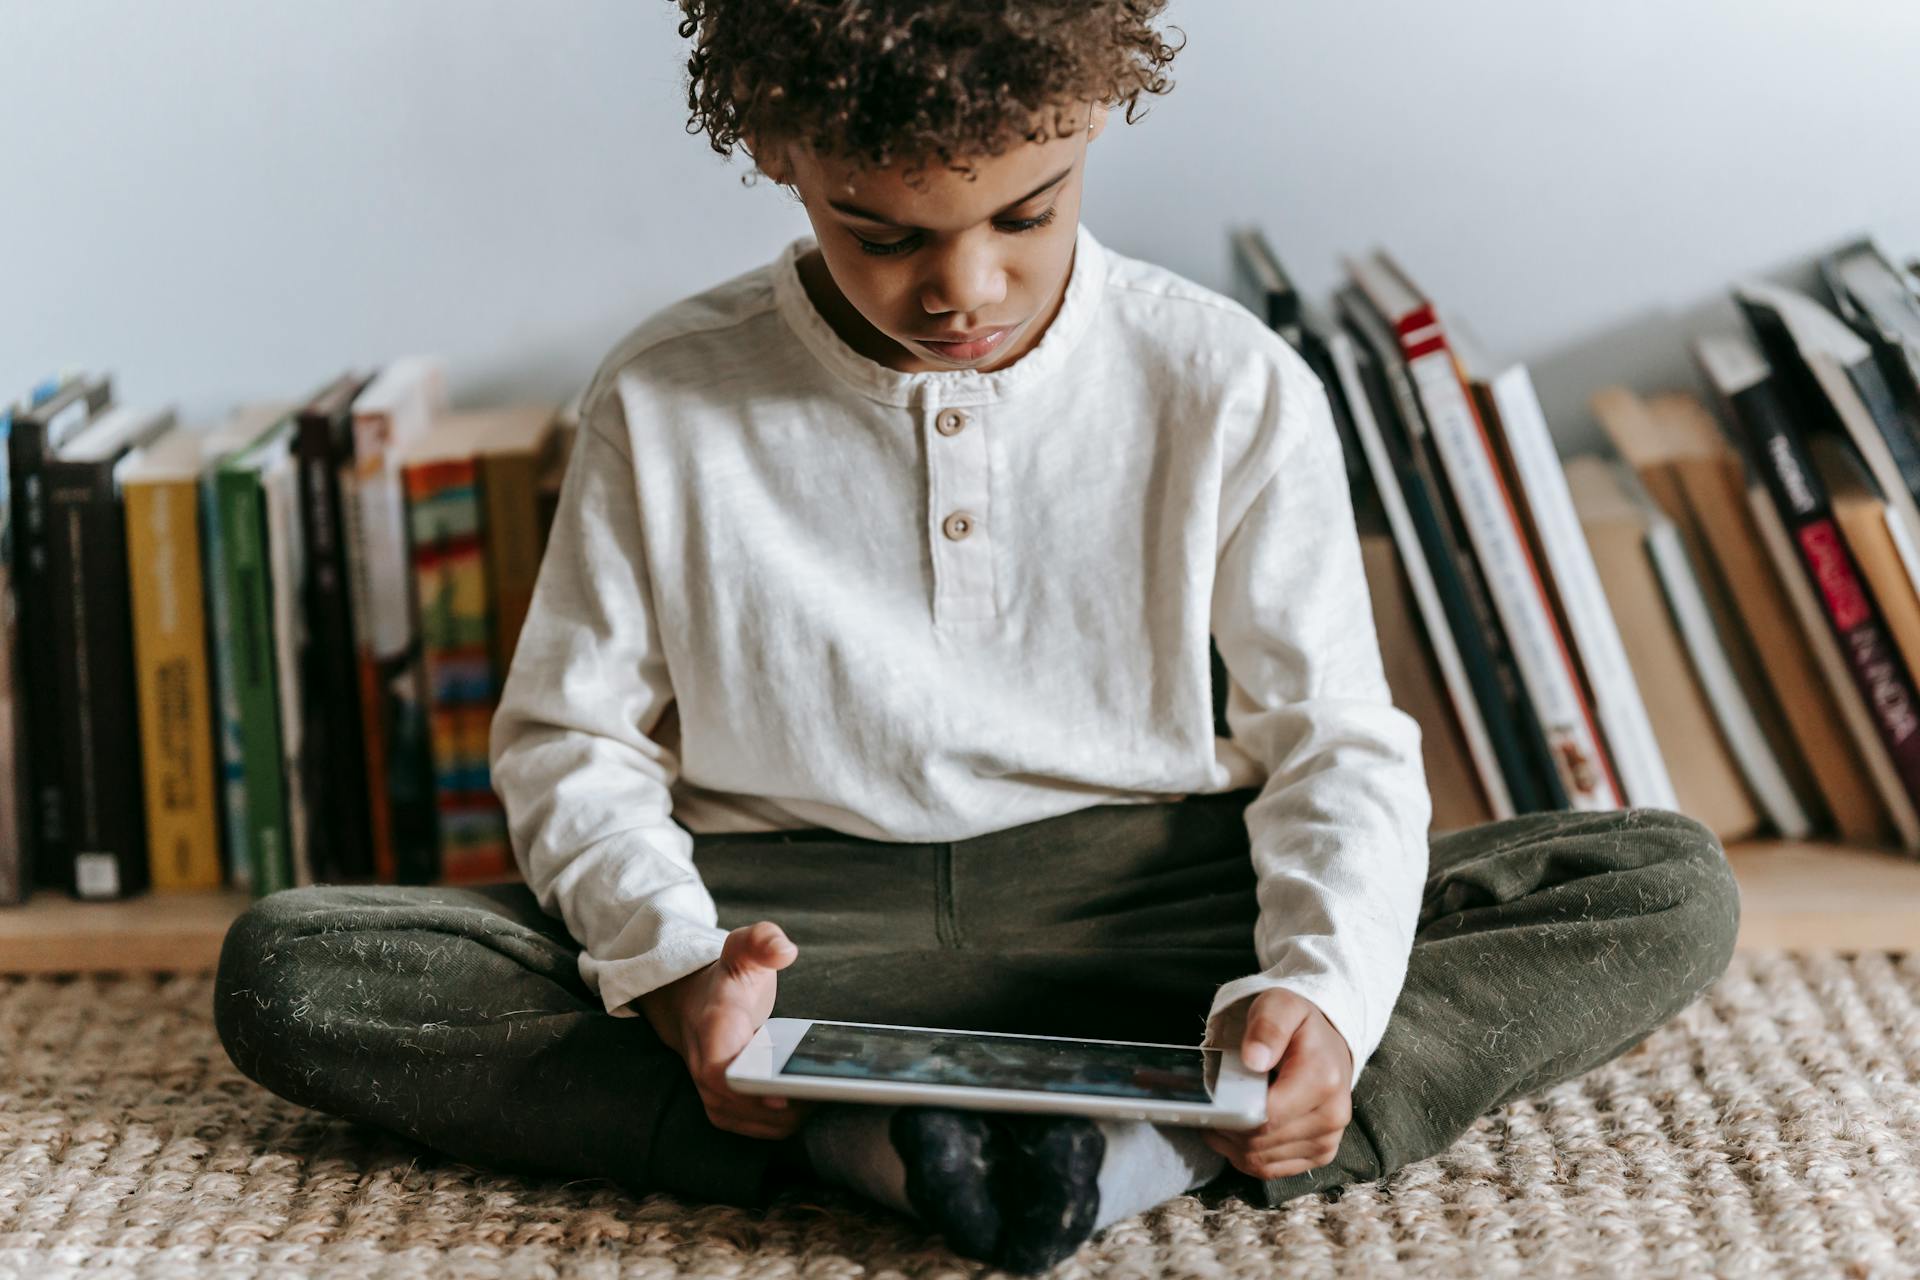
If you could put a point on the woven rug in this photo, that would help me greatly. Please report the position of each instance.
(1772, 1129)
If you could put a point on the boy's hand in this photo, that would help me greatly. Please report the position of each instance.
(709, 1016)
(1309, 1100)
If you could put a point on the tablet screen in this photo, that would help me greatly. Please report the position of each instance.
(980, 1060)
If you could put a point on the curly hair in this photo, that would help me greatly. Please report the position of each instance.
(875, 81)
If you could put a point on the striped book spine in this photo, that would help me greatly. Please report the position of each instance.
(445, 532)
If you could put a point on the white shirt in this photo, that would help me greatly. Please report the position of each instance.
(788, 586)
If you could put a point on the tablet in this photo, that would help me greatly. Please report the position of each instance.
(876, 1063)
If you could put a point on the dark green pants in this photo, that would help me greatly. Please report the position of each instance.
(1548, 944)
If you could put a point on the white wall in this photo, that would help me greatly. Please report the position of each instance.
(222, 198)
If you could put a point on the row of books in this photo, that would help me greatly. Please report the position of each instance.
(261, 652)
(1718, 614)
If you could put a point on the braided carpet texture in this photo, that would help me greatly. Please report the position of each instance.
(1772, 1129)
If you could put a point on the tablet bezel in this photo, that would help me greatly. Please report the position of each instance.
(1239, 1096)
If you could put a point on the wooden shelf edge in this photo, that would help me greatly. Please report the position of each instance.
(157, 931)
(1793, 894)
(1817, 896)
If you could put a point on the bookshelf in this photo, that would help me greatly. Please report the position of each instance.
(1797, 895)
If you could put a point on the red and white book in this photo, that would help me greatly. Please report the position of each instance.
(1520, 597)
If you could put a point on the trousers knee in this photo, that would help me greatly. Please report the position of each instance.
(1704, 911)
(256, 994)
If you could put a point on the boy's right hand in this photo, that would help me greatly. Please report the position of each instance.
(709, 1016)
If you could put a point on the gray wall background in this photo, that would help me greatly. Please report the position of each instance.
(223, 199)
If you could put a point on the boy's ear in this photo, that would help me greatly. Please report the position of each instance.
(1097, 121)
(771, 159)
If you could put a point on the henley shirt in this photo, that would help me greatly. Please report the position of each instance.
(788, 586)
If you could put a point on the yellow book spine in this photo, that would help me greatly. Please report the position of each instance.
(170, 664)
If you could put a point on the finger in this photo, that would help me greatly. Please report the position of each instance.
(1271, 1024)
(757, 946)
(1318, 1150)
(1228, 1144)
(1307, 1078)
(721, 1034)
(1330, 1116)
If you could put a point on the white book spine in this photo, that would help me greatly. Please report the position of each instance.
(1596, 636)
(1744, 737)
(1550, 682)
(1833, 666)
(286, 564)
(1420, 576)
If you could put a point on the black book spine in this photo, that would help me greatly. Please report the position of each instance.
(43, 829)
(1518, 740)
(337, 780)
(33, 437)
(93, 631)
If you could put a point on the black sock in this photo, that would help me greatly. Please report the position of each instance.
(1046, 1172)
(1019, 1191)
(947, 1154)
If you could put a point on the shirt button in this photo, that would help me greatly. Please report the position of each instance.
(958, 525)
(950, 422)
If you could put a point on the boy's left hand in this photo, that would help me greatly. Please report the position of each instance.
(1309, 1099)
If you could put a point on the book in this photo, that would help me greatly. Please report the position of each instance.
(1714, 476)
(1777, 452)
(1831, 381)
(392, 412)
(230, 659)
(514, 537)
(334, 778)
(1880, 303)
(1746, 743)
(249, 664)
(458, 477)
(1860, 721)
(1459, 801)
(1523, 443)
(1412, 567)
(1258, 280)
(15, 875)
(1513, 579)
(172, 674)
(1867, 521)
(31, 438)
(91, 687)
(1724, 655)
(1706, 779)
(1264, 286)
(285, 547)
(1512, 727)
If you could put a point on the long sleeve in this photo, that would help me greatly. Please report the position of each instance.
(586, 790)
(1339, 830)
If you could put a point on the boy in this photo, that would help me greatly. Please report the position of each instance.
(868, 678)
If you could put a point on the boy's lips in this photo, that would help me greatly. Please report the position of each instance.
(971, 349)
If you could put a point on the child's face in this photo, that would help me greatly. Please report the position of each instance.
(900, 267)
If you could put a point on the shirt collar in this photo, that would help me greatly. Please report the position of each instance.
(1085, 287)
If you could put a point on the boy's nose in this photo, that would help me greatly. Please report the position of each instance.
(966, 282)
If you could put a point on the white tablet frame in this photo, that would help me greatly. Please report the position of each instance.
(1239, 1094)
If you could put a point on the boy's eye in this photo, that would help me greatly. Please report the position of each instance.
(882, 249)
